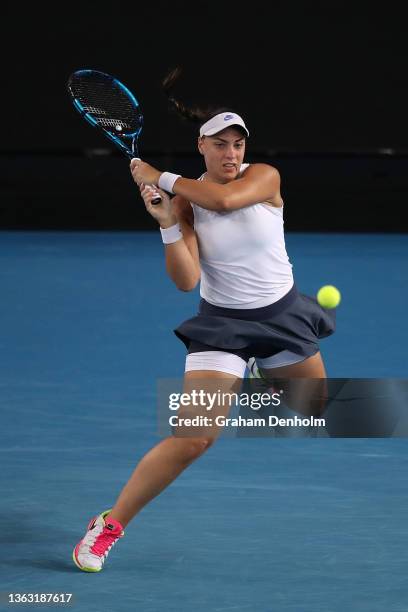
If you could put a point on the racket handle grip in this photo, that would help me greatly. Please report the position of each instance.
(156, 199)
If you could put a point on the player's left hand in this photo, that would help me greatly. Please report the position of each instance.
(144, 173)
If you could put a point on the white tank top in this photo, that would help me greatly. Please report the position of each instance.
(243, 256)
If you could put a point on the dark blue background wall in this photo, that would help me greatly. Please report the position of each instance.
(321, 78)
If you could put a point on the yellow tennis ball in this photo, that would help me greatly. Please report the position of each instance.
(329, 296)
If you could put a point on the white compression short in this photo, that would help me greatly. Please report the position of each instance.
(221, 361)
(279, 360)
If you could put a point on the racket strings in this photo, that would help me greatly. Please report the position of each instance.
(109, 105)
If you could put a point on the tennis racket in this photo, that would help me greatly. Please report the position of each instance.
(108, 104)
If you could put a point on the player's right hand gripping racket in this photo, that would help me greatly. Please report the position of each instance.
(109, 105)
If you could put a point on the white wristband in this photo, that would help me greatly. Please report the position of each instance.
(171, 234)
(167, 180)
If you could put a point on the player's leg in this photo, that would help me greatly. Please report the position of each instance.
(303, 382)
(163, 463)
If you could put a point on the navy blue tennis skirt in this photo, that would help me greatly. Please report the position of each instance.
(294, 323)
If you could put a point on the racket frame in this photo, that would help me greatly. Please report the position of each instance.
(132, 151)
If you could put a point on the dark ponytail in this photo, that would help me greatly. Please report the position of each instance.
(196, 114)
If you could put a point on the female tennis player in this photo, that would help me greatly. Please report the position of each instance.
(225, 229)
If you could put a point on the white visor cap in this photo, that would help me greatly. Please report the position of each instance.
(221, 122)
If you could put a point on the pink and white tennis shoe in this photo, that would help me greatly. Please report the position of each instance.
(90, 554)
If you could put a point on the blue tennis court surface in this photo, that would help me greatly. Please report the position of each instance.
(257, 525)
